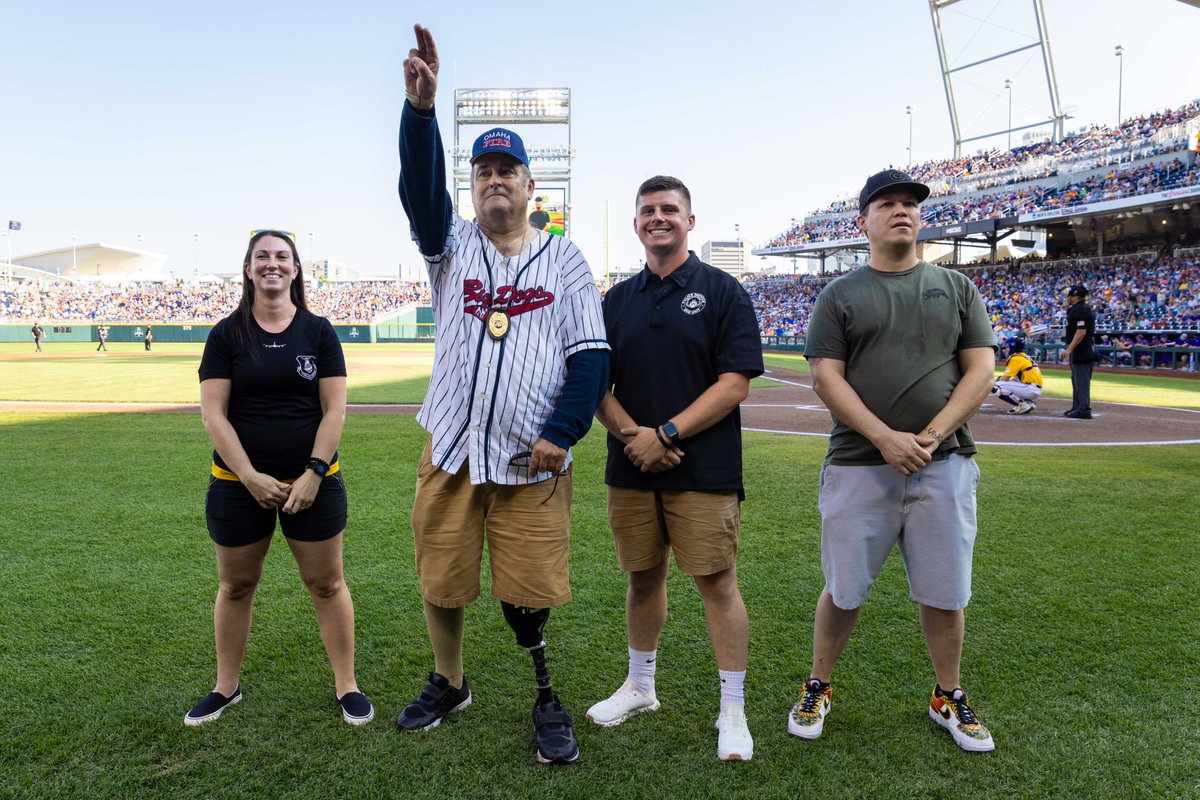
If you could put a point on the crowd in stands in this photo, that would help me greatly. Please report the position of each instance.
(145, 301)
(1140, 301)
(1127, 295)
(962, 180)
(1014, 201)
(988, 168)
(1133, 294)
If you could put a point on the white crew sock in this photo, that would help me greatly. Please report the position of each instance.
(731, 687)
(641, 668)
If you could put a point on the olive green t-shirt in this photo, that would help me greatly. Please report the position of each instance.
(899, 334)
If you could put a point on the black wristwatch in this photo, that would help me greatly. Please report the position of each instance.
(319, 466)
(671, 432)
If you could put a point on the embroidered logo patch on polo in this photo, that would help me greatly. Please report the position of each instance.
(306, 367)
(694, 303)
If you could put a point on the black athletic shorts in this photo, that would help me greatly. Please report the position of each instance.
(235, 518)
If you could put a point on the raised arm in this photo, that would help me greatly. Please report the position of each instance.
(421, 69)
(422, 156)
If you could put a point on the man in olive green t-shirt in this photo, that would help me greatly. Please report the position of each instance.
(902, 354)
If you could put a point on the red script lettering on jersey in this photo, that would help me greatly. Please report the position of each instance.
(514, 301)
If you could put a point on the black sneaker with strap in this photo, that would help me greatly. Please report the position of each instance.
(436, 700)
(554, 733)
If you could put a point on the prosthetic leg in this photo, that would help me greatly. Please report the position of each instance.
(552, 727)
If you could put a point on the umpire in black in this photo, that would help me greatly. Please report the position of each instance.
(1079, 334)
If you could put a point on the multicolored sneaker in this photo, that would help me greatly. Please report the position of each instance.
(951, 711)
(808, 715)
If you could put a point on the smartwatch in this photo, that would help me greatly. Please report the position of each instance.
(319, 466)
(670, 430)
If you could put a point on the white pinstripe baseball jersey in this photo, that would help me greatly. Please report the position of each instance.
(488, 399)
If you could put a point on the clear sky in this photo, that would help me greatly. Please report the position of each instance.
(219, 117)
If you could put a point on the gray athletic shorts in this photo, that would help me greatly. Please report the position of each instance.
(929, 515)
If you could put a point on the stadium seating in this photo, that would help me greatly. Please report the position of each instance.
(1147, 293)
(1034, 177)
(141, 302)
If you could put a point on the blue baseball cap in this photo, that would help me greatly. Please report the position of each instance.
(500, 140)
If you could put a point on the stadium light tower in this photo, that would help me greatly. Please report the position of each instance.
(1041, 42)
(196, 239)
(549, 164)
(1119, 52)
(908, 111)
(1008, 85)
(74, 255)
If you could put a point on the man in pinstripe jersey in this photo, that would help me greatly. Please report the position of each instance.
(520, 364)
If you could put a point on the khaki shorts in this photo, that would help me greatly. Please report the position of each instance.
(701, 527)
(527, 540)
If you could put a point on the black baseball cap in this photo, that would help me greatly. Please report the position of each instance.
(890, 179)
(1077, 291)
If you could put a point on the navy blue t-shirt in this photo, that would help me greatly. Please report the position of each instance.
(274, 403)
(671, 337)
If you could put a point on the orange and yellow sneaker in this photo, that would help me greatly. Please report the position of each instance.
(807, 717)
(951, 711)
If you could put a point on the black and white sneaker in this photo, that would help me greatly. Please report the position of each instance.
(554, 733)
(436, 700)
(356, 708)
(211, 707)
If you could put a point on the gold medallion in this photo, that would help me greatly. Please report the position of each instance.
(497, 323)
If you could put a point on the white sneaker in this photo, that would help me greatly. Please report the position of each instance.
(733, 735)
(624, 703)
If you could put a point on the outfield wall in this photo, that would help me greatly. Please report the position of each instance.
(393, 331)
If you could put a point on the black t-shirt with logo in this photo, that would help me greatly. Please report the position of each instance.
(671, 337)
(274, 402)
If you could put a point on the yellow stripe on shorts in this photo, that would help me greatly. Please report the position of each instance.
(226, 475)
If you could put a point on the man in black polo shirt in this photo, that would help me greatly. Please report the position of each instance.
(685, 345)
(1079, 332)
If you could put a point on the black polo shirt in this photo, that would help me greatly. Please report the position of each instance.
(670, 340)
(1080, 315)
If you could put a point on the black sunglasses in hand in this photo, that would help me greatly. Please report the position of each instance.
(521, 459)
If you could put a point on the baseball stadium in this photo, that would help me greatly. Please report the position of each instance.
(1083, 627)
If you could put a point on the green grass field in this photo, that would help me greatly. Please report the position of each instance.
(383, 373)
(1081, 648)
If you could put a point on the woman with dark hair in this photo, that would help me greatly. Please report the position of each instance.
(273, 401)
